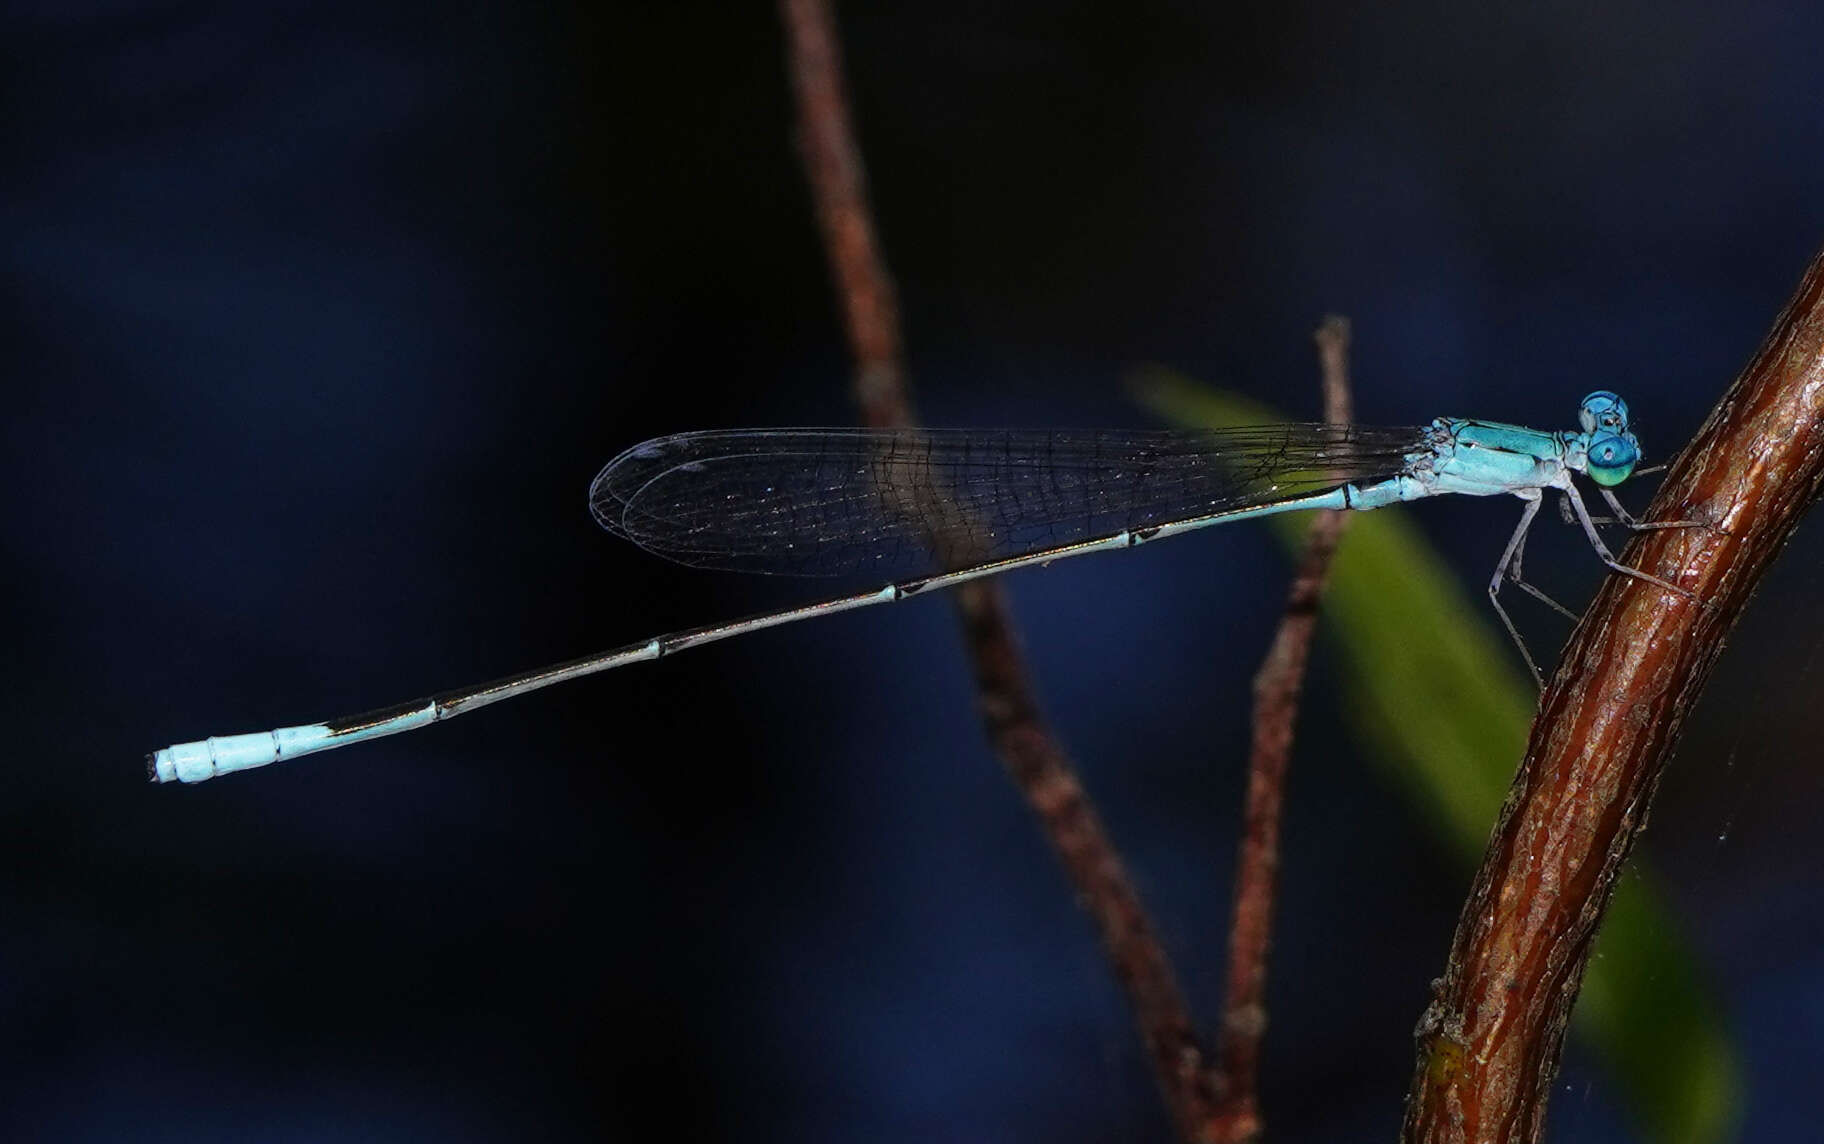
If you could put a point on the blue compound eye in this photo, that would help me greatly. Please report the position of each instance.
(1603, 412)
(1612, 458)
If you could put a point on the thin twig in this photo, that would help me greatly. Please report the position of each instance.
(1489, 1042)
(832, 162)
(1010, 711)
(1277, 688)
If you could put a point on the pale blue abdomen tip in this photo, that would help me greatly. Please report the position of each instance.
(194, 762)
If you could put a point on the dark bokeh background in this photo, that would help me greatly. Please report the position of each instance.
(322, 316)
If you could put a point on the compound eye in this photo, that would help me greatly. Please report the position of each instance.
(1612, 459)
(1603, 411)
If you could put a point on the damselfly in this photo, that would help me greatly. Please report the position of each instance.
(934, 508)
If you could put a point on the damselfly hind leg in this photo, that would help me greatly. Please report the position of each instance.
(1519, 581)
(1510, 559)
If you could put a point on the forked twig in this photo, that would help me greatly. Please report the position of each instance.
(1489, 1042)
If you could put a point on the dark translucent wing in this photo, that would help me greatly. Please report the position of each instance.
(826, 502)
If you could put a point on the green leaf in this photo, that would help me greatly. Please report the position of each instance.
(1440, 701)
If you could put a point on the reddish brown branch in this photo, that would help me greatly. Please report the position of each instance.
(1277, 688)
(1490, 1040)
(1010, 711)
(832, 163)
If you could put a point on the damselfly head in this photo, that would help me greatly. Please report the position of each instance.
(1613, 449)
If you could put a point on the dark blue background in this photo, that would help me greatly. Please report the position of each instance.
(322, 316)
